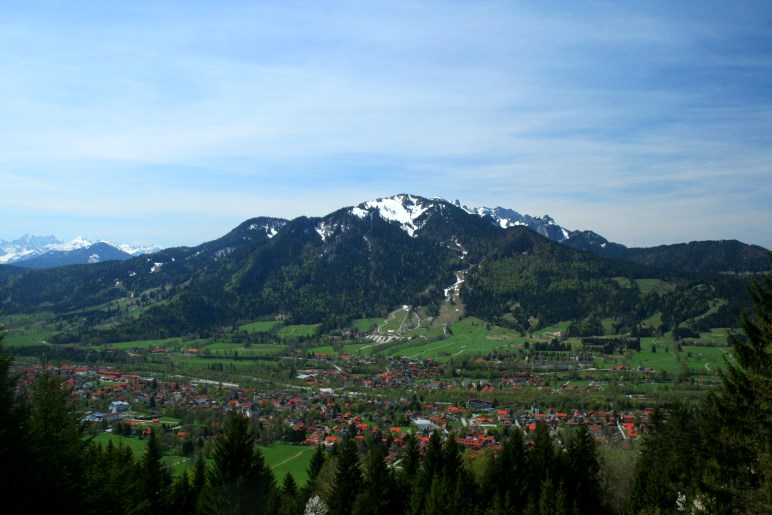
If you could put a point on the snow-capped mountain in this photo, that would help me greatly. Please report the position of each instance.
(411, 213)
(504, 218)
(406, 210)
(30, 247)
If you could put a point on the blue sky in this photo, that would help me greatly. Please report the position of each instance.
(172, 122)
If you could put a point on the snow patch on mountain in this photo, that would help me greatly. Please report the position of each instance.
(30, 246)
(324, 230)
(136, 250)
(402, 209)
(271, 229)
(505, 218)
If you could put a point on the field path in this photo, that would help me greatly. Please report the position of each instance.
(288, 460)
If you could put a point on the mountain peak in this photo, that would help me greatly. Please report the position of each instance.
(406, 210)
(31, 247)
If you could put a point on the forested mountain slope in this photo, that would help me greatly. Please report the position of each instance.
(365, 261)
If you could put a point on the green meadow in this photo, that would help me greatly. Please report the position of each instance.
(469, 336)
(364, 325)
(261, 327)
(284, 458)
(298, 330)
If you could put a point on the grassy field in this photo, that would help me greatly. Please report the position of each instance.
(394, 321)
(553, 330)
(260, 327)
(365, 325)
(136, 445)
(143, 344)
(699, 360)
(349, 348)
(24, 337)
(284, 458)
(657, 285)
(196, 362)
(468, 336)
(298, 330)
(237, 350)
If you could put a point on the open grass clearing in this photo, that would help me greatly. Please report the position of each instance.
(393, 322)
(656, 285)
(298, 330)
(143, 344)
(284, 458)
(552, 331)
(698, 360)
(363, 348)
(261, 327)
(468, 336)
(366, 325)
(136, 445)
(253, 351)
(27, 337)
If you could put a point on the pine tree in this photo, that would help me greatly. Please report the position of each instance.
(582, 482)
(348, 479)
(57, 447)
(411, 461)
(14, 445)
(314, 468)
(542, 460)
(737, 421)
(155, 480)
(240, 481)
(506, 477)
(668, 464)
(290, 496)
(431, 468)
(379, 492)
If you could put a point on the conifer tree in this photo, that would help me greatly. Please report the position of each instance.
(542, 460)
(291, 501)
(737, 421)
(57, 447)
(582, 482)
(14, 450)
(155, 480)
(314, 468)
(239, 482)
(198, 482)
(379, 491)
(348, 478)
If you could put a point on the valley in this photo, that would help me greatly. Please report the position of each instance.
(386, 323)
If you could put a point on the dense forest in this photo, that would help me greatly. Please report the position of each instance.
(716, 458)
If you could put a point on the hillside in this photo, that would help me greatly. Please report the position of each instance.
(360, 262)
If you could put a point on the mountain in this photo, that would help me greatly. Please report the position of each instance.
(49, 251)
(95, 253)
(364, 261)
(704, 256)
(697, 256)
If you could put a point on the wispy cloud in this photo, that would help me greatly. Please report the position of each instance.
(592, 112)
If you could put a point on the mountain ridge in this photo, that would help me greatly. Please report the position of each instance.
(32, 251)
(363, 261)
(410, 212)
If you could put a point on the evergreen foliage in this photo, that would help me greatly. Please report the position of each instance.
(239, 481)
(348, 481)
(718, 459)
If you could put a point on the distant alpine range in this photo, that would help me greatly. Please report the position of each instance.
(411, 212)
(49, 251)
